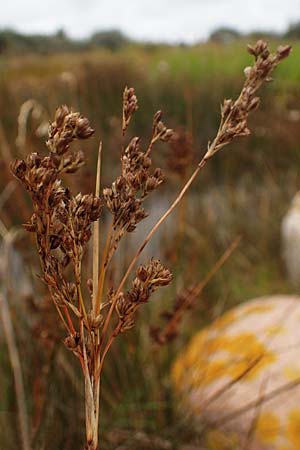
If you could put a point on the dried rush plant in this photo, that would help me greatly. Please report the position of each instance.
(63, 224)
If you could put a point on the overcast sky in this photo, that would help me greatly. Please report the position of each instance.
(169, 20)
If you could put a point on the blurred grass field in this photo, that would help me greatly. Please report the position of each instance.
(244, 191)
(197, 62)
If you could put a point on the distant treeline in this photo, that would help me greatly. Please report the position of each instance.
(13, 42)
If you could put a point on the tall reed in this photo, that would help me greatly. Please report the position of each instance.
(92, 311)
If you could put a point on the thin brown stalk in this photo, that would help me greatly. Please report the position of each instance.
(81, 304)
(217, 266)
(13, 351)
(17, 371)
(191, 297)
(109, 343)
(232, 382)
(152, 142)
(102, 271)
(251, 432)
(96, 235)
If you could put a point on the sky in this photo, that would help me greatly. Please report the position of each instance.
(154, 20)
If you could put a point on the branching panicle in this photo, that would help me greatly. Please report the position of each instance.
(234, 114)
(159, 129)
(124, 199)
(130, 105)
(66, 128)
(148, 279)
(62, 223)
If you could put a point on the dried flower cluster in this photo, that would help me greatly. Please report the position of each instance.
(234, 114)
(125, 198)
(130, 105)
(159, 130)
(62, 224)
(148, 279)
